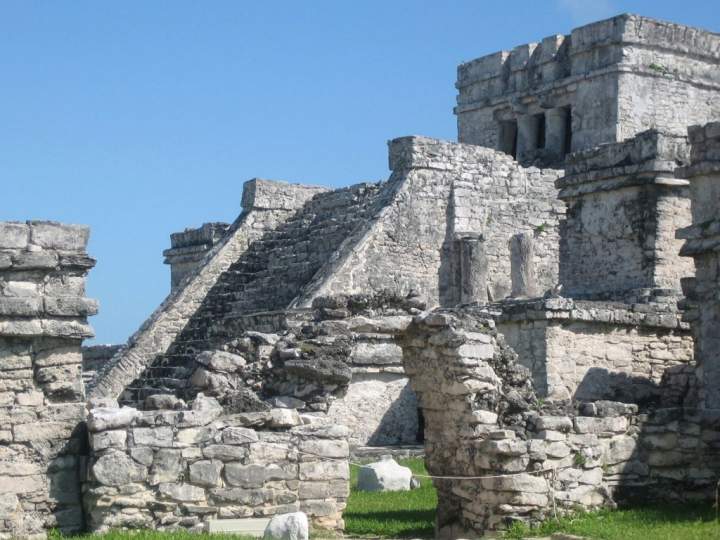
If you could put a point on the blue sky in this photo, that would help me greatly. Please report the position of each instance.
(142, 118)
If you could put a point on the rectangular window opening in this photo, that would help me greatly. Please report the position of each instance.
(539, 125)
(567, 146)
(508, 137)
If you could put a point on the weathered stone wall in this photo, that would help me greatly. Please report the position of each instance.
(623, 206)
(702, 241)
(446, 191)
(266, 204)
(613, 79)
(511, 457)
(170, 469)
(43, 312)
(636, 353)
(95, 360)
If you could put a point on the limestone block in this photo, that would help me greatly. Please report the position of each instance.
(284, 418)
(116, 469)
(385, 475)
(167, 466)
(101, 419)
(43, 431)
(225, 452)
(13, 235)
(324, 470)
(158, 402)
(376, 353)
(236, 495)
(239, 435)
(586, 424)
(287, 527)
(221, 361)
(206, 473)
(325, 448)
(182, 492)
(253, 476)
(108, 439)
(53, 235)
(159, 437)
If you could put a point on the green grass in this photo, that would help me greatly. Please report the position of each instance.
(392, 514)
(660, 522)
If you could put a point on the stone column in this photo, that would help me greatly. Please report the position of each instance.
(473, 270)
(522, 269)
(527, 126)
(555, 132)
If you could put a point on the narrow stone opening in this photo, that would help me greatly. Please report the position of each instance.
(508, 137)
(567, 146)
(539, 127)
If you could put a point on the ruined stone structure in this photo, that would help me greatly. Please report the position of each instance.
(604, 82)
(466, 206)
(534, 315)
(43, 313)
(164, 469)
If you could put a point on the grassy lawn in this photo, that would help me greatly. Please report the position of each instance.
(392, 514)
(676, 522)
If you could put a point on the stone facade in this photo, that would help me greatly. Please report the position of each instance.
(623, 207)
(43, 312)
(702, 240)
(180, 468)
(599, 350)
(604, 82)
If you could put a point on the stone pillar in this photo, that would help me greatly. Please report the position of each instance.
(522, 268)
(527, 135)
(555, 132)
(43, 320)
(188, 249)
(702, 239)
(473, 270)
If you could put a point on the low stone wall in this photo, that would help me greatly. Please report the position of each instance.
(43, 320)
(517, 458)
(169, 469)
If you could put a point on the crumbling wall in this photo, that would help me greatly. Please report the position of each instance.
(180, 468)
(43, 312)
(337, 360)
(447, 191)
(499, 455)
(266, 204)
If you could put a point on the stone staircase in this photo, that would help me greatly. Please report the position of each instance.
(267, 276)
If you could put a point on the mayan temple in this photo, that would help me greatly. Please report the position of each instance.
(537, 303)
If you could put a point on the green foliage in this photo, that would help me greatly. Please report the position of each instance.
(579, 459)
(659, 68)
(541, 228)
(661, 522)
(393, 514)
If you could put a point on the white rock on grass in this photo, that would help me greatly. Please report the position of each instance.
(292, 526)
(385, 475)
